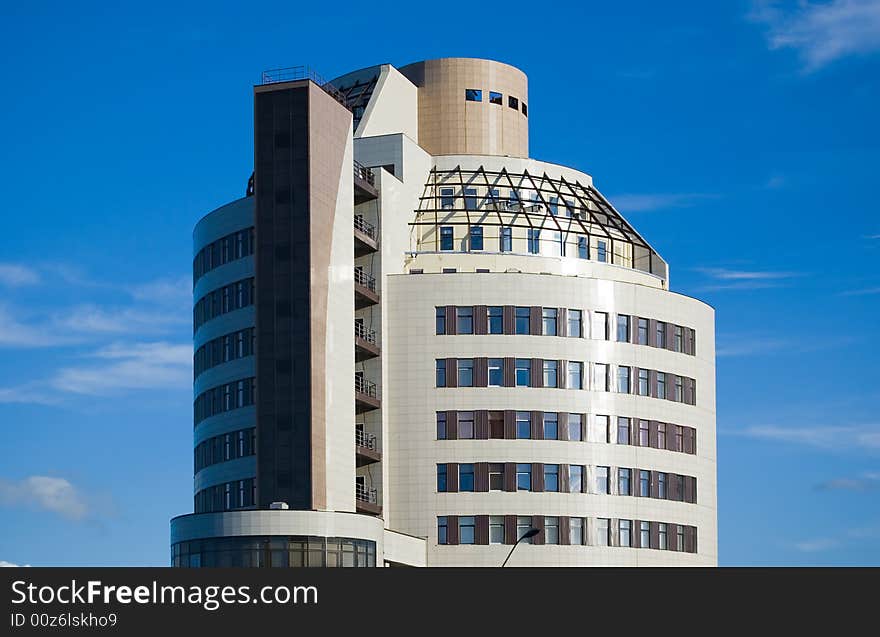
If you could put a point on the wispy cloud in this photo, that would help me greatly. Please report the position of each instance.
(174, 291)
(738, 279)
(750, 346)
(15, 275)
(861, 292)
(97, 320)
(632, 202)
(56, 495)
(873, 236)
(5, 564)
(28, 394)
(862, 437)
(821, 33)
(868, 481)
(817, 545)
(21, 332)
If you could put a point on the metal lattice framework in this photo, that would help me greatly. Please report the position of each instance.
(584, 211)
(357, 95)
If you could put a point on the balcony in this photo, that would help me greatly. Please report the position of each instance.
(366, 448)
(364, 184)
(366, 239)
(366, 500)
(366, 396)
(365, 293)
(365, 346)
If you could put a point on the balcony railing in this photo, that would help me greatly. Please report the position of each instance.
(362, 172)
(293, 73)
(363, 386)
(362, 225)
(364, 279)
(365, 494)
(363, 333)
(365, 440)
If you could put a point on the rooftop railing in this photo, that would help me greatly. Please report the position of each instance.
(294, 73)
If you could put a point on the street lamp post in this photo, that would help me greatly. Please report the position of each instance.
(532, 532)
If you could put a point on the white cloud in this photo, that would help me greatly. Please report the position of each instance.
(165, 291)
(92, 319)
(863, 437)
(862, 292)
(56, 495)
(817, 545)
(867, 481)
(738, 279)
(14, 332)
(821, 33)
(15, 275)
(750, 346)
(5, 564)
(630, 202)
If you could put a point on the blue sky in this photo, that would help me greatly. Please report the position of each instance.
(740, 138)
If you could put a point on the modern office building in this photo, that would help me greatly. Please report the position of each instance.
(413, 343)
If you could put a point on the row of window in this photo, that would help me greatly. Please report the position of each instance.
(223, 349)
(229, 248)
(263, 551)
(229, 446)
(557, 244)
(482, 477)
(552, 321)
(222, 300)
(551, 425)
(568, 531)
(539, 372)
(517, 199)
(476, 95)
(227, 496)
(226, 397)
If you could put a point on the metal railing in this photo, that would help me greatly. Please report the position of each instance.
(363, 333)
(362, 172)
(365, 494)
(363, 386)
(362, 225)
(364, 279)
(294, 73)
(365, 440)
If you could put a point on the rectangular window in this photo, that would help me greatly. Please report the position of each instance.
(473, 95)
(644, 484)
(506, 239)
(496, 372)
(548, 317)
(679, 438)
(576, 531)
(470, 199)
(441, 372)
(678, 339)
(575, 427)
(599, 431)
(643, 331)
(679, 538)
(525, 109)
(512, 102)
(523, 524)
(446, 242)
(625, 533)
(464, 320)
(466, 529)
(447, 198)
(466, 425)
(496, 319)
(623, 380)
(575, 375)
(524, 477)
(551, 530)
(661, 531)
(575, 478)
(523, 372)
(601, 251)
(679, 389)
(644, 534)
(624, 481)
(495, 98)
(496, 476)
(551, 477)
(644, 433)
(522, 320)
(550, 371)
(575, 323)
(496, 529)
(661, 486)
(551, 425)
(465, 372)
(534, 237)
(599, 328)
(623, 431)
(643, 382)
(441, 530)
(622, 328)
(441, 478)
(496, 425)
(523, 425)
(660, 339)
(661, 385)
(661, 435)
(466, 477)
(441, 425)
(603, 532)
(476, 237)
(603, 484)
(600, 377)
(583, 251)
